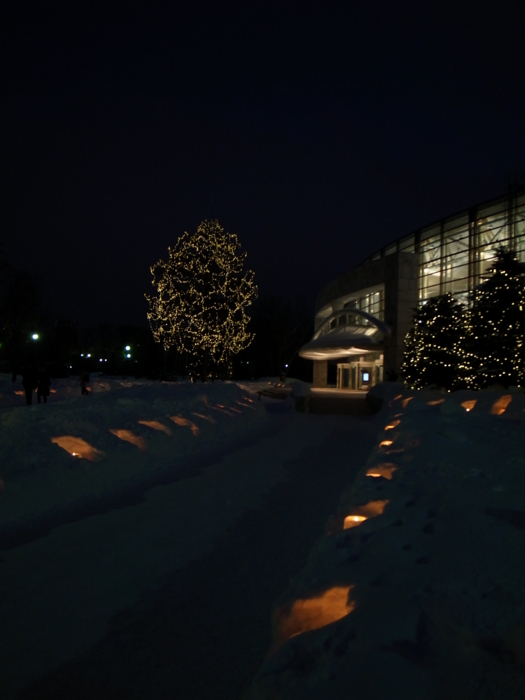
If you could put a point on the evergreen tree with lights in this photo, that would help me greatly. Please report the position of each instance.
(497, 325)
(435, 346)
(201, 301)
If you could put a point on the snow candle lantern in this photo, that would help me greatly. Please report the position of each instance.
(156, 425)
(78, 447)
(393, 424)
(128, 436)
(361, 513)
(313, 613)
(180, 420)
(500, 405)
(382, 470)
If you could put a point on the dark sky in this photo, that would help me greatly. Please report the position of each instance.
(317, 135)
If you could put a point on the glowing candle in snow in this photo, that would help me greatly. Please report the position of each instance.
(469, 405)
(500, 405)
(404, 403)
(436, 402)
(128, 436)
(78, 447)
(206, 418)
(353, 521)
(313, 613)
(156, 425)
(180, 420)
(382, 470)
(393, 424)
(386, 443)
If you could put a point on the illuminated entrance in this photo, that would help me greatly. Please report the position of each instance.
(360, 374)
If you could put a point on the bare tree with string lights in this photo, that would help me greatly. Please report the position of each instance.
(202, 297)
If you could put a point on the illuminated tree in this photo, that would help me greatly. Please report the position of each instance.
(435, 346)
(497, 325)
(202, 296)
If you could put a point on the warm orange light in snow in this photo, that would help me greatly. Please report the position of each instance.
(180, 420)
(384, 470)
(370, 510)
(501, 404)
(314, 613)
(436, 402)
(210, 419)
(373, 508)
(469, 405)
(128, 436)
(78, 447)
(353, 521)
(156, 425)
(393, 424)
(386, 443)
(405, 401)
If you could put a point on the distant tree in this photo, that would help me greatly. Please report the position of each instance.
(435, 346)
(497, 324)
(201, 302)
(281, 327)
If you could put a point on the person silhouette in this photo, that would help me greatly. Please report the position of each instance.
(29, 382)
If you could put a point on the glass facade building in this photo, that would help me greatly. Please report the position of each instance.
(362, 318)
(454, 253)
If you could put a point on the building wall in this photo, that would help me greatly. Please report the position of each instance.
(399, 275)
(320, 378)
(401, 299)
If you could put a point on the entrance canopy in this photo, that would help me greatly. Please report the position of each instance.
(331, 341)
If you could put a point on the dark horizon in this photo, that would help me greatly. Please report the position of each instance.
(317, 136)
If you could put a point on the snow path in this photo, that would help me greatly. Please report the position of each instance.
(173, 596)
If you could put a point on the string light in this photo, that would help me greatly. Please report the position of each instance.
(202, 296)
(455, 347)
(433, 347)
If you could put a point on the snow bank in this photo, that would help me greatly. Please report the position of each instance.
(12, 393)
(126, 436)
(421, 596)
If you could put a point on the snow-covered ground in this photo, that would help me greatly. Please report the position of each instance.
(103, 495)
(81, 451)
(417, 590)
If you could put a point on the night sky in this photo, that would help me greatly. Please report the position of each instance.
(316, 135)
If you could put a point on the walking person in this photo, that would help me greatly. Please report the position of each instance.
(44, 382)
(29, 382)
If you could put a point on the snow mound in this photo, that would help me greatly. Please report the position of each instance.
(416, 592)
(126, 436)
